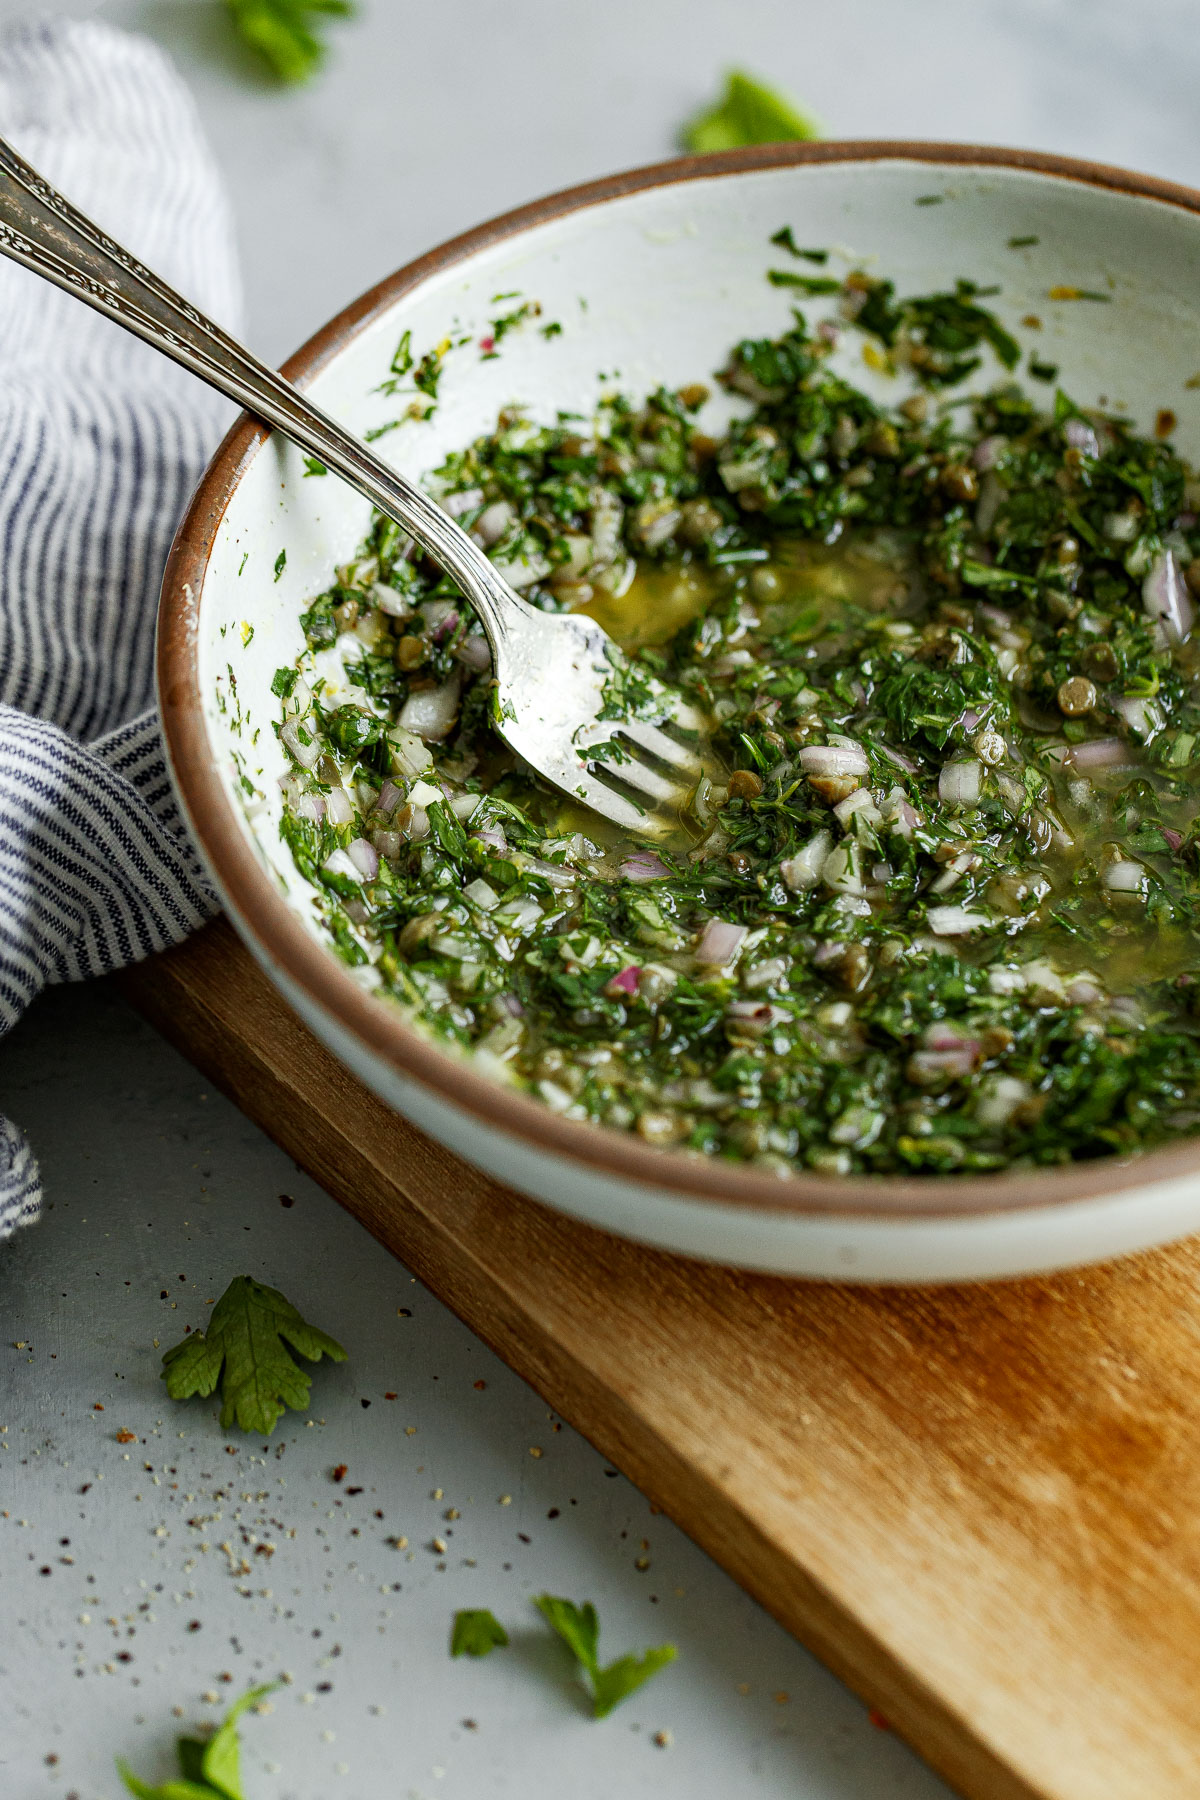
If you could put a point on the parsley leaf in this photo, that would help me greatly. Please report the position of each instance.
(786, 240)
(579, 1628)
(747, 113)
(285, 32)
(477, 1633)
(807, 284)
(210, 1768)
(246, 1349)
(280, 564)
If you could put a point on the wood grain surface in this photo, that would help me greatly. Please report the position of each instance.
(979, 1505)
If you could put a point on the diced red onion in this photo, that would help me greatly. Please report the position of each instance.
(465, 501)
(1000, 1098)
(1084, 990)
(626, 983)
(1099, 753)
(1125, 877)
(409, 755)
(1082, 436)
(834, 759)
(720, 942)
(339, 862)
(492, 836)
(463, 805)
(418, 825)
(944, 1035)
(881, 872)
(554, 873)
(388, 798)
(827, 953)
(970, 719)
(842, 870)
(765, 974)
(1174, 838)
(339, 808)
(804, 869)
(754, 1017)
(365, 858)
(390, 602)
(829, 332)
(310, 806)
(931, 1065)
(1166, 596)
(991, 495)
(955, 921)
(733, 660)
(1140, 714)
(440, 616)
(902, 815)
(1126, 1007)
(1185, 521)
(493, 522)
(902, 762)
(643, 865)
(959, 783)
(307, 755)
(512, 1006)
(474, 652)
(986, 453)
(432, 712)
(388, 843)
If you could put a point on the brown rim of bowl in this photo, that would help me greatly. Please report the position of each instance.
(284, 941)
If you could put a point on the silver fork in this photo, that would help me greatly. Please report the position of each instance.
(551, 670)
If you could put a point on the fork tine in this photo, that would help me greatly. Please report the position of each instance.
(646, 780)
(616, 806)
(655, 742)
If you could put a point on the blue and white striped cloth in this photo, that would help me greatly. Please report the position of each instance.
(101, 442)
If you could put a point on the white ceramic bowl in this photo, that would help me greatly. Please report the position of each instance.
(654, 275)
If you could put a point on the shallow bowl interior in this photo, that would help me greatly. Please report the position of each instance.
(652, 276)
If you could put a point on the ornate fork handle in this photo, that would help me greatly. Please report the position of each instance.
(42, 230)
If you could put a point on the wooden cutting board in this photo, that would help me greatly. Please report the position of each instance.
(979, 1505)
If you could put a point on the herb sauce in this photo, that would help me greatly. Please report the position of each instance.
(940, 911)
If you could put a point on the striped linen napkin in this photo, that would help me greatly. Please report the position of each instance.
(101, 442)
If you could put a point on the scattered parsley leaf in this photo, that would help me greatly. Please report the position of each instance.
(1021, 243)
(579, 1628)
(624, 1676)
(210, 1768)
(747, 113)
(807, 284)
(1076, 293)
(313, 467)
(930, 200)
(280, 564)
(246, 1349)
(285, 32)
(477, 1633)
(786, 241)
(283, 681)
